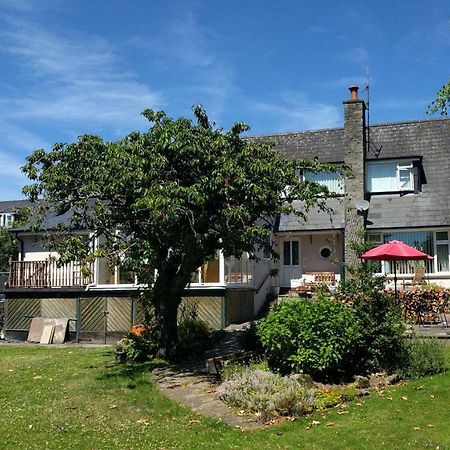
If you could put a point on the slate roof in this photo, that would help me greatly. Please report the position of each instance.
(12, 206)
(428, 139)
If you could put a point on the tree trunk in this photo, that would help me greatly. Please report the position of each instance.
(166, 297)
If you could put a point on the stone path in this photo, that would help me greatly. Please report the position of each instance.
(190, 385)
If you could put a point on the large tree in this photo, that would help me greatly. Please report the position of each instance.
(168, 199)
(8, 248)
(442, 101)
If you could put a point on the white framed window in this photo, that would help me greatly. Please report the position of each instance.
(6, 220)
(334, 181)
(239, 270)
(434, 243)
(390, 176)
(442, 252)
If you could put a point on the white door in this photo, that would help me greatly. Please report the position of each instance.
(291, 262)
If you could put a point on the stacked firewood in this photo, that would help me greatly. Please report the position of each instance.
(424, 304)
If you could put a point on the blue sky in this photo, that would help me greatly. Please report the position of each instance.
(91, 66)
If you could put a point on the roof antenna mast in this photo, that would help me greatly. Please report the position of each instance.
(370, 147)
(367, 90)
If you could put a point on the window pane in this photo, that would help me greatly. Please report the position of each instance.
(332, 180)
(375, 238)
(441, 235)
(195, 277)
(382, 177)
(295, 253)
(405, 178)
(287, 253)
(421, 240)
(210, 271)
(442, 258)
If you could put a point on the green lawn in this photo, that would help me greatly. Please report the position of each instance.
(78, 398)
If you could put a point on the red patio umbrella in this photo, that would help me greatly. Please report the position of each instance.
(395, 251)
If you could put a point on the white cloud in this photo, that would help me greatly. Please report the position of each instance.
(296, 111)
(80, 81)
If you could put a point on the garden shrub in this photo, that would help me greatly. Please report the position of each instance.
(139, 345)
(233, 369)
(424, 356)
(313, 337)
(267, 394)
(380, 345)
(249, 339)
(191, 331)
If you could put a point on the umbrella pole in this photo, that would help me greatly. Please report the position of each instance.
(395, 282)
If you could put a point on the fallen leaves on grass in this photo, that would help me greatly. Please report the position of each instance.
(142, 422)
(312, 424)
(193, 422)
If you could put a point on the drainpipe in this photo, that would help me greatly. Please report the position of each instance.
(22, 245)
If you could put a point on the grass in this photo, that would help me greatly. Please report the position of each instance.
(78, 398)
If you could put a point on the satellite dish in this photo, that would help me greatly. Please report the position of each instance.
(362, 205)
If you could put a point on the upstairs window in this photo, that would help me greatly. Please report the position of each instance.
(331, 180)
(6, 220)
(391, 176)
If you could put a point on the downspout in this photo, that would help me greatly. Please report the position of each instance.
(22, 245)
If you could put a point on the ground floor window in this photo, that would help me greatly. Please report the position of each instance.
(434, 243)
(209, 272)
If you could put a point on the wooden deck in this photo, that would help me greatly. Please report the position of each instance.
(47, 274)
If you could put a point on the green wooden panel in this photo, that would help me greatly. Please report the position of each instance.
(208, 309)
(17, 308)
(239, 305)
(93, 314)
(58, 308)
(119, 314)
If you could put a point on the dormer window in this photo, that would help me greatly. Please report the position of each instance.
(390, 176)
(331, 180)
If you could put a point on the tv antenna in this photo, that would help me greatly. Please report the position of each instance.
(371, 147)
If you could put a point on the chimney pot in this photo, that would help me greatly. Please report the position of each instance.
(354, 92)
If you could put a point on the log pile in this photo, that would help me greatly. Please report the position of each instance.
(424, 304)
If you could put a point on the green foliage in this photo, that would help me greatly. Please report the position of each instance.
(249, 339)
(442, 101)
(233, 369)
(8, 247)
(138, 346)
(192, 332)
(315, 337)
(380, 343)
(327, 398)
(178, 193)
(422, 357)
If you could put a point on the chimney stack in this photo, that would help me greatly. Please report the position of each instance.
(355, 157)
(354, 92)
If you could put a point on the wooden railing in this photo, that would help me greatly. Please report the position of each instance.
(47, 273)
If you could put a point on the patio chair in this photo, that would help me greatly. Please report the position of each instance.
(419, 276)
